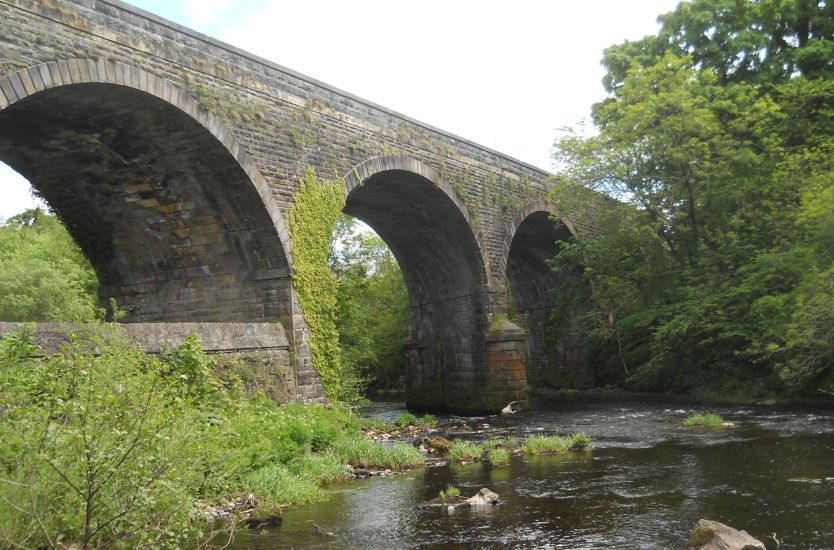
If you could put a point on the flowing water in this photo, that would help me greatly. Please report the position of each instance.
(644, 485)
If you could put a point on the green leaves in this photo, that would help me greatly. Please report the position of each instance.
(717, 136)
(44, 276)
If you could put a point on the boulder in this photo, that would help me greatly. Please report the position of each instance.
(712, 535)
(484, 497)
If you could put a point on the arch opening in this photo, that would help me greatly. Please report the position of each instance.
(444, 272)
(533, 288)
(169, 219)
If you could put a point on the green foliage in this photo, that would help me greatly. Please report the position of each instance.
(365, 453)
(102, 445)
(450, 493)
(427, 420)
(499, 457)
(550, 444)
(373, 312)
(316, 209)
(709, 275)
(464, 451)
(404, 420)
(407, 419)
(94, 449)
(707, 420)
(44, 276)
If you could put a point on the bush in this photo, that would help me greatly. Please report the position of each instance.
(95, 448)
(707, 420)
(120, 446)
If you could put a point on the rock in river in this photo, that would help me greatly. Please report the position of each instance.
(712, 535)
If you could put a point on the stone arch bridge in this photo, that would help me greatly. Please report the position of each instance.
(173, 158)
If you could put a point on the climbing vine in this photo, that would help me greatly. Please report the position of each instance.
(316, 208)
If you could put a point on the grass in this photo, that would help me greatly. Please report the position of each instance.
(407, 419)
(450, 493)
(404, 420)
(362, 452)
(548, 444)
(707, 420)
(464, 451)
(499, 456)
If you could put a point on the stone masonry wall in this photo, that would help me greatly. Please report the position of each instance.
(261, 348)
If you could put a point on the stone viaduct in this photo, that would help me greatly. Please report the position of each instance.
(173, 158)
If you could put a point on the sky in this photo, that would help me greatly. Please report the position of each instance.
(508, 75)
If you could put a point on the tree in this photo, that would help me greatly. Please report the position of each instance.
(373, 313)
(44, 276)
(717, 135)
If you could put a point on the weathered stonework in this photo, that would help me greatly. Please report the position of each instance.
(173, 159)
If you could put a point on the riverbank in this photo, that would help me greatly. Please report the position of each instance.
(544, 395)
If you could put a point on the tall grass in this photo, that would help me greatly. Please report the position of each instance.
(545, 444)
(708, 420)
(464, 451)
(499, 456)
(365, 453)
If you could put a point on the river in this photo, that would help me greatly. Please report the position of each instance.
(644, 485)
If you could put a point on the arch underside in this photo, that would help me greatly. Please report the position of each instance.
(168, 218)
(533, 284)
(445, 275)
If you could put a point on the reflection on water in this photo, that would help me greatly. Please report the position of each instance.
(644, 485)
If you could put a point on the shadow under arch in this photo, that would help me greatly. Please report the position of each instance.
(167, 205)
(427, 227)
(531, 240)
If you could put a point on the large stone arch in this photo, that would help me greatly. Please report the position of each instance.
(175, 217)
(531, 240)
(427, 227)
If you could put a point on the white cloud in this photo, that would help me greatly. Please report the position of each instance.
(504, 74)
(203, 12)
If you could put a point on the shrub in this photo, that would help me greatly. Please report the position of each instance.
(707, 420)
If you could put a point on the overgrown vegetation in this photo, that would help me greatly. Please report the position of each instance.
(44, 276)
(316, 209)
(715, 272)
(103, 445)
(707, 420)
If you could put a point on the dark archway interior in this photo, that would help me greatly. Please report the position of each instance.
(535, 242)
(532, 283)
(434, 246)
(172, 224)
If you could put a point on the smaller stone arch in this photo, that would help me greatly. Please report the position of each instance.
(531, 240)
(527, 210)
